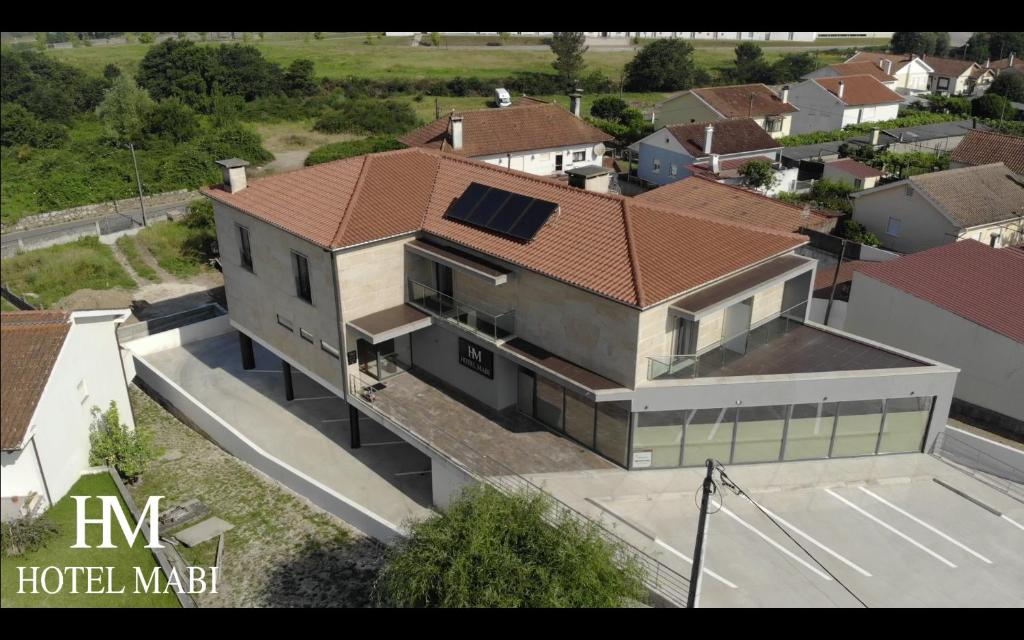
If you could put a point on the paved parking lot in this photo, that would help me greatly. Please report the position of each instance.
(894, 541)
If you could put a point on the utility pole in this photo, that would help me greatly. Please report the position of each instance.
(138, 180)
(693, 597)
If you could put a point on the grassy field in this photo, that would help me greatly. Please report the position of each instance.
(178, 249)
(47, 275)
(394, 58)
(59, 553)
(131, 253)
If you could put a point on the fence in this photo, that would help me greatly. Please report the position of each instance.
(1006, 472)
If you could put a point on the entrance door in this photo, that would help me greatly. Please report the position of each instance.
(444, 281)
(526, 392)
(558, 162)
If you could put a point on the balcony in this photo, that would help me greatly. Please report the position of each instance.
(783, 345)
(493, 326)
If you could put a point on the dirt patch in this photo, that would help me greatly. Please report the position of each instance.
(291, 142)
(282, 552)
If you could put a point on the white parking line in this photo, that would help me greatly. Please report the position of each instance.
(711, 573)
(890, 528)
(926, 525)
(1016, 524)
(775, 544)
(816, 543)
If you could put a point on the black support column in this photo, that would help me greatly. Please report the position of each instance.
(289, 389)
(248, 356)
(353, 426)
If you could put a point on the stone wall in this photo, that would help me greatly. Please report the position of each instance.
(98, 209)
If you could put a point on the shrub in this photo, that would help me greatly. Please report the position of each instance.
(856, 232)
(114, 445)
(25, 535)
(350, 148)
(368, 116)
(200, 215)
(173, 120)
(489, 549)
(20, 126)
(608, 107)
(1010, 85)
(994, 106)
(759, 174)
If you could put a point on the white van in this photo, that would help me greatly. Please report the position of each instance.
(501, 98)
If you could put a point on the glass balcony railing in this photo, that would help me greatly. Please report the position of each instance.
(499, 326)
(729, 350)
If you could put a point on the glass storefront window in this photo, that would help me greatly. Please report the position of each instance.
(549, 403)
(579, 418)
(613, 430)
(906, 420)
(857, 428)
(661, 433)
(708, 435)
(759, 434)
(810, 431)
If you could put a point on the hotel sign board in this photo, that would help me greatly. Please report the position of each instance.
(476, 358)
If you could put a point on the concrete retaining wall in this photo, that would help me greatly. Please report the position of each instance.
(170, 339)
(235, 443)
(97, 209)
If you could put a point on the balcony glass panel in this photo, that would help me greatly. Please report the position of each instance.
(708, 435)
(810, 431)
(496, 326)
(759, 434)
(906, 420)
(857, 428)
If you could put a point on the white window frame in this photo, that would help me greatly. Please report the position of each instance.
(656, 165)
(894, 230)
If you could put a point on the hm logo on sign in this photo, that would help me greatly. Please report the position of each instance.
(112, 506)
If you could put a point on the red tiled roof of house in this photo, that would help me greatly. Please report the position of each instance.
(899, 60)
(736, 204)
(744, 101)
(862, 68)
(967, 278)
(973, 196)
(32, 340)
(986, 147)
(854, 168)
(736, 135)
(823, 278)
(999, 65)
(486, 132)
(860, 90)
(952, 67)
(600, 242)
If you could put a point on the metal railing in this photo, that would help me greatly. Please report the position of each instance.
(657, 577)
(998, 474)
(729, 349)
(495, 326)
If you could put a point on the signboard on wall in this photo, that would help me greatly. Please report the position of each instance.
(642, 459)
(476, 358)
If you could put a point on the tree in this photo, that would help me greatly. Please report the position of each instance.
(20, 126)
(489, 549)
(832, 194)
(178, 68)
(173, 120)
(569, 47)
(932, 43)
(750, 65)
(111, 72)
(664, 65)
(992, 105)
(435, 39)
(299, 79)
(793, 66)
(114, 444)
(759, 175)
(147, 37)
(994, 45)
(504, 37)
(1009, 84)
(608, 107)
(42, 41)
(124, 110)
(856, 232)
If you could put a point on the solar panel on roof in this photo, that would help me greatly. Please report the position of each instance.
(505, 212)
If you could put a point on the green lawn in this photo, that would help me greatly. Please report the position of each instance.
(7, 306)
(131, 253)
(59, 553)
(54, 272)
(178, 249)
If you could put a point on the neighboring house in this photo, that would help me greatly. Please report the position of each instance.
(986, 147)
(1012, 62)
(984, 203)
(953, 77)
(537, 137)
(420, 285)
(666, 155)
(856, 174)
(731, 172)
(57, 366)
(959, 302)
(827, 104)
(910, 71)
(875, 70)
(712, 198)
(772, 112)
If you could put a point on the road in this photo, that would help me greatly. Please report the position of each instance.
(65, 231)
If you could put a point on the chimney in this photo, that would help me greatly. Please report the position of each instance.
(1010, 66)
(575, 98)
(842, 89)
(785, 94)
(988, 63)
(456, 130)
(716, 166)
(709, 131)
(887, 66)
(874, 137)
(234, 174)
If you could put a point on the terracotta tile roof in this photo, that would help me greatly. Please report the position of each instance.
(536, 125)
(854, 168)
(863, 68)
(735, 204)
(899, 60)
(736, 102)
(999, 65)
(986, 147)
(599, 242)
(32, 340)
(967, 278)
(950, 66)
(972, 196)
(737, 135)
(860, 90)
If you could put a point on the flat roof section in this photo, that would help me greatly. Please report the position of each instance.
(391, 323)
(732, 287)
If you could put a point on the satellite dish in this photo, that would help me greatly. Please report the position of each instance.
(599, 148)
